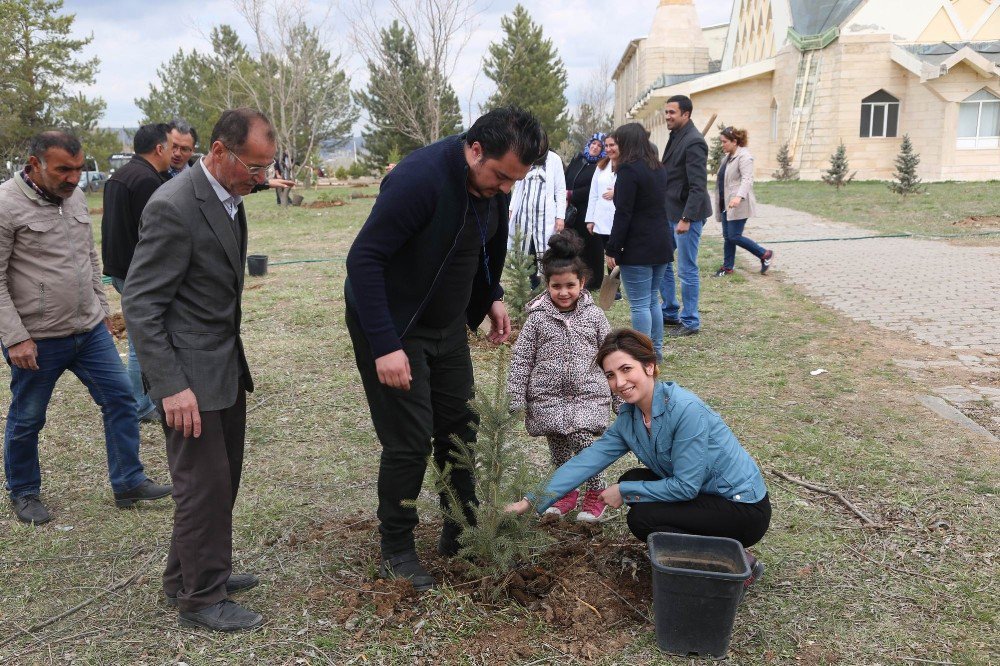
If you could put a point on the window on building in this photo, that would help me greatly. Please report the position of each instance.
(774, 120)
(879, 115)
(979, 121)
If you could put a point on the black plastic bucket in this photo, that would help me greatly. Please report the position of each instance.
(257, 264)
(698, 582)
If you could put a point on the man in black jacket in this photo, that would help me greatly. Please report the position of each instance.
(688, 206)
(425, 265)
(125, 195)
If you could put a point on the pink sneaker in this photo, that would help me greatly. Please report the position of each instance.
(594, 508)
(566, 504)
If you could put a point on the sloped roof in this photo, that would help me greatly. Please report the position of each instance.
(935, 54)
(812, 17)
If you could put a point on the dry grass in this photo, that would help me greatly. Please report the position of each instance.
(919, 588)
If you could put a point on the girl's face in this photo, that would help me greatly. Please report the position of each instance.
(728, 145)
(595, 148)
(564, 290)
(628, 378)
(611, 148)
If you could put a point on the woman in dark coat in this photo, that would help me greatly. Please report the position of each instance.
(579, 173)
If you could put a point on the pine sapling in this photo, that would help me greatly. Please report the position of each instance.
(905, 180)
(785, 170)
(836, 175)
(715, 150)
(519, 268)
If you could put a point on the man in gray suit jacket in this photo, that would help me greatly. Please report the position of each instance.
(182, 304)
(688, 206)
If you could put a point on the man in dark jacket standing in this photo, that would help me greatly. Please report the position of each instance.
(125, 195)
(426, 264)
(688, 206)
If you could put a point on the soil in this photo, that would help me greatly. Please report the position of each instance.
(325, 204)
(592, 592)
(979, 222)
(118, 326)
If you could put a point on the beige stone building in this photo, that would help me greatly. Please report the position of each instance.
(814, 73)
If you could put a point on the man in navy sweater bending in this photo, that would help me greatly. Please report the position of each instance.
(425, 265)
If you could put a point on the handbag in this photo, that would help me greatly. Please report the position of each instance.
(571, 213)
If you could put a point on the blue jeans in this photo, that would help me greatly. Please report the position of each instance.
(732, 232)
(145, 406)
(687, 271)
(640, 284)
(92, 357)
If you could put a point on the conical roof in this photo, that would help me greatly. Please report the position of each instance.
(813, 17)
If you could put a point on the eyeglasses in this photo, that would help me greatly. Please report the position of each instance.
(254, 171)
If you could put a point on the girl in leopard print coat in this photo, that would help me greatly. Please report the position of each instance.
(552, 373)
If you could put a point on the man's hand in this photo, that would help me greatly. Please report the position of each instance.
(683, 226)
(735, 201)
(560, 224)
(280, 182)
(499, 323)
(590, 228)
(394, 370)
(612, 496)
(520, 508)
(610, 261)
(24, 354)
(181, 413)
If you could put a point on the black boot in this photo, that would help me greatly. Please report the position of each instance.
(406, 565)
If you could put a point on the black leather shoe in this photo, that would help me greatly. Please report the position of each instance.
(448, 544)
(147, 490)
(671, 321)
(227, 615)
(236, 583)
(681, 331)
(406, 565)
(29, 509)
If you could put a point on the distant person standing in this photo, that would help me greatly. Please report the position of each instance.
(183, 139)
(688, 206)
(736, 201)
(579, 175)
(601, 206)
(538, 207)
(125, 195)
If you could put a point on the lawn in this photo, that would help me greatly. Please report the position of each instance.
(919, 588)
(943, 209)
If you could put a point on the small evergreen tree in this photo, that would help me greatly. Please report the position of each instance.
(496, 540)
(715, 150)
(905, 180)
(785, 170)
(836, 175)
(517, 272)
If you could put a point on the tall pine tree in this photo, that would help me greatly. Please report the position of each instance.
(400, 68)
(528, 71)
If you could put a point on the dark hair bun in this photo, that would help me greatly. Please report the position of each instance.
(565, 245)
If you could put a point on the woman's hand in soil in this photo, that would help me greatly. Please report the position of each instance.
(520, 508)
(612, 496)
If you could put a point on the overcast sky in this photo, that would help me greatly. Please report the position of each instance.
(133, 38)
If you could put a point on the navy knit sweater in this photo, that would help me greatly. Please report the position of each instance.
(395, 262)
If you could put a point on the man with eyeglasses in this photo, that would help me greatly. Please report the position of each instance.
(185, 138)
(182, 301)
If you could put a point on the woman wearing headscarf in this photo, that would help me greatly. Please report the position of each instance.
(538, 206)
(579, 174)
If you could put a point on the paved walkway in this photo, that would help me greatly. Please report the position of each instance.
(945, 295)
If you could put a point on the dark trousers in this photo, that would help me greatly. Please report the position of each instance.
(412, 425)
(206, 476)
(707, 515)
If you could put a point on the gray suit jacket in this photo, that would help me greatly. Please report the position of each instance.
(686, 160)
(182, 294)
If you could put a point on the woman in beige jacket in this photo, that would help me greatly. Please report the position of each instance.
(736, 201)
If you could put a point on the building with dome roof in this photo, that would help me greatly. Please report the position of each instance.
(815, 73)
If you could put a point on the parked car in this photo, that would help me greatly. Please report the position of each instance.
(92, 178)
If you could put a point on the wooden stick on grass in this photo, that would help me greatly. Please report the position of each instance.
(832, 493)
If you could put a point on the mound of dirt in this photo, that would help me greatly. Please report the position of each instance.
(118, 326)
(979, 222)
(325, 204)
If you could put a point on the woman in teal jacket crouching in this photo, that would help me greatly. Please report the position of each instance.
(697, 478)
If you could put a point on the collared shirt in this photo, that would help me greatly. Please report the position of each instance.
(175, 172)
(230, 202)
